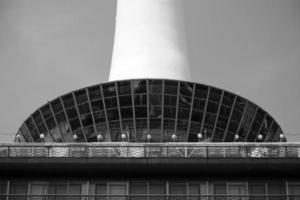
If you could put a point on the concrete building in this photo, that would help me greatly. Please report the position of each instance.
(150, 132)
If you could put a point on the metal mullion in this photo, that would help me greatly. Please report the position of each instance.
(177, 106)
(162, 110)
(271, 125)
(133, 109)
(286, 189)
(229, 119)
(34, 124)
(7, 189)
(105, 112)
(191, 111)
(66, 116)
(261, 126)
(55, 120)
(119, 110)
(204, 111)
(251, 124)
(78, 114)
(29, 131)
(148, 107)
(242, 118)
(217, 117)
(91, 110)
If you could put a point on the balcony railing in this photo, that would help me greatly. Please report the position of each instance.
(152, 150)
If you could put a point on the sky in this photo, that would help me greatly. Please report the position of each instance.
(51, 47)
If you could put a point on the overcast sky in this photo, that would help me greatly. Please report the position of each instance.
(50, 47)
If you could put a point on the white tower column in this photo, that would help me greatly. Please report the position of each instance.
(150, 41)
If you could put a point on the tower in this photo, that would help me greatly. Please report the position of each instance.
(150, 41)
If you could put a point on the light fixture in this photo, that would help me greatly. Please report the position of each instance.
(149, 137)
(123, 136)
(174, 137)
(99, 137)
(75, 137)
(199, 136)
(236, 137)
(260, 137)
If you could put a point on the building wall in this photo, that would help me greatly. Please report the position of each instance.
(219, 189)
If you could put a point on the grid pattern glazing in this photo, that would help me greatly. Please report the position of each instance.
(140, 189)
(149, 110)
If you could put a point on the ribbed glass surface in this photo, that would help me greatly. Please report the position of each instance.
(149, 111)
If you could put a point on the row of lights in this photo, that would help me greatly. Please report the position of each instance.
(174, 137)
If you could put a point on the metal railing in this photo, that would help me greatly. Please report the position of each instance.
(152, 150)
(146, 197)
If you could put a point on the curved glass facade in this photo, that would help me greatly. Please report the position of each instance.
(149, 110)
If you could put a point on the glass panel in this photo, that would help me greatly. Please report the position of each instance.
(75, 191)
(171, 87)
(177, 190)
(256, 190)
(201, 91)
(68, 101)
(276, 190)
(157, 188)
(294, 191)
(124, 87)
(94, 93)
(116, 190)
(38, 190)
(138, 190)
(237, 191)
(3, 191)
(81, 96)
(109, 89)
(57, 189)
(18, 188)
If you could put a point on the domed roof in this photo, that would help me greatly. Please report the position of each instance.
(149, 110)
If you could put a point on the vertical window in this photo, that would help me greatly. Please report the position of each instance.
(157, 190)
(75, 191)
(276, 190)
(178, 190)
(18, 191)
(57, 191)
(257, 190)
(3, 190)
(138, 190)
(38, 191)
(294, 191)
(236, 191)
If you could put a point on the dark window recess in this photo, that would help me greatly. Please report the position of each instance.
(97, 105)
(75, 124)
(140, 99)
(212, 107)
(94, 93)
(113, 114)
(56, 106)
(71, 113)
(155, 112)
(111, 102)
(155, 87)
(170, 101)
(185, 102)
(171, 87)
(125, 101)
(81, 96)
(126, 113)
(186, 89)
(139, 86)
(86, 119)
(170, 112)
(124, 87)
(46, 111)
(215, 94)
(140, 112)
(84, 108)
(228, 99)
(155, 99)
(100, 117)
(201, 91)
(109, 89)
(68, 101)
(197, 116)
(199, 104)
